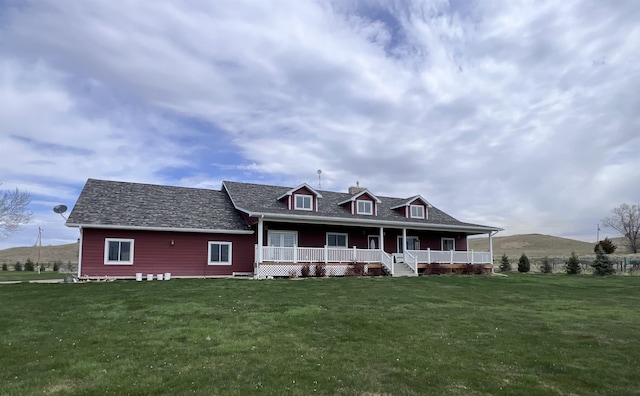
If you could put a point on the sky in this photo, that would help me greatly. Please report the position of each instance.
(523, 115)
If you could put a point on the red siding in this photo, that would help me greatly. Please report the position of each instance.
(154, 253)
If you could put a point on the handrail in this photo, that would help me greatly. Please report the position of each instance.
(411, 261)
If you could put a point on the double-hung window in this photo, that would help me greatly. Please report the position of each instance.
(118, 251)
(337, 240)
(417, 211)
(219, 253)
(303, 202)
(364, 207)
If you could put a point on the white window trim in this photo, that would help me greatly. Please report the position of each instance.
(421, 207)
(210, 243)
(362, 212)
(346, 239)
(447, 239)
(295, 202)
(117, 262)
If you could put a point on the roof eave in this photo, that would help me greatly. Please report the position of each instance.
(169, 229)
(393, 224)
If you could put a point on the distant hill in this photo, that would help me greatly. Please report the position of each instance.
(538, 245)
(64, 253)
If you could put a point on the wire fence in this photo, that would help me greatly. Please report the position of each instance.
(623, 265)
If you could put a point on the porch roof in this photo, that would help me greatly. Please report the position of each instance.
(261, 200)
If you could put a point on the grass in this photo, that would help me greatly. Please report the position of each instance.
(458, 335)
(26, 276)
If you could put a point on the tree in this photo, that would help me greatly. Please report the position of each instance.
(14, 211)
(602, 265)
(607, 245)
(523, 263)
(505, 265)
(626, 220)
(546, 267)
(573, 265)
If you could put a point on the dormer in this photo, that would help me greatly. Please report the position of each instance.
(362, 203)
(414, 208)
(303, 197)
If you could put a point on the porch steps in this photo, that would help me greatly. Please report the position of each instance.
(401, 269)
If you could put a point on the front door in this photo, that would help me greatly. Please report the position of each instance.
(374, 242)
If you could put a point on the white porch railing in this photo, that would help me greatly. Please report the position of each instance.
(325, 254)
(411, 260)
(450, 257)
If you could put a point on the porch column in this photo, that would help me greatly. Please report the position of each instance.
(260, 239)
(404, 239)
(381, 239)
(491, 249)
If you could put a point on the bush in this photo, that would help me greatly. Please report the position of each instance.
(523, 264)
(321, 270)
(4, 267)
(607, 246)
(305, 271)
(56, 266)
(602, 265)
(546, 267)
(573, 265)
(17, 266)
(28, 265)
(505, 265)
(355, 269)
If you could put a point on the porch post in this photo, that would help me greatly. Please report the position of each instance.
(491, 250)
(381, 239)
(260, 239)
(404, 239)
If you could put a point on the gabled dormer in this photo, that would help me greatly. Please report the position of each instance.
(414, 208)
(362, 203)
(303, 197)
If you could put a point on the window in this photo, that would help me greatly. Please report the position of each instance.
(303, 202)
(337, 240)
(448, 244)
(417, 211)
(219, 253)
(365, 207)
(118, 251)
(283, 238)
(413, 243)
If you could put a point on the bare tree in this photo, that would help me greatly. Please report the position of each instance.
(626, 220)
(14, 211)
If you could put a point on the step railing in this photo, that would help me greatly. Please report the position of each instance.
(411, 261)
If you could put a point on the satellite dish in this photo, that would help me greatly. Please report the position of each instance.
(60, 209)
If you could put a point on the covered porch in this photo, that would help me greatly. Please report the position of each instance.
(285, 248)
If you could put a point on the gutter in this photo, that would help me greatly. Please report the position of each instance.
(376, 223)
(170, 229)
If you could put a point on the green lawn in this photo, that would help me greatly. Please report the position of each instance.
(461, 335)
(26, 276)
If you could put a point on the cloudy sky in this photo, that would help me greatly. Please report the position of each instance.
(519, 114)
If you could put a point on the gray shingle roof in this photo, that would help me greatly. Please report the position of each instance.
(112, 203)
(258, 198)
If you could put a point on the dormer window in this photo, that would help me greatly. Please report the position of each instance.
(417, 211)
(365, 207)
(303, 202)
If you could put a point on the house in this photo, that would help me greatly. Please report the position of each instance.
(263, 230)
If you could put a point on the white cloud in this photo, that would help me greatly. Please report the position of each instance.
(516, 114)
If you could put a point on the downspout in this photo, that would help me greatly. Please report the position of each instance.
(259, 242)
(80, 241)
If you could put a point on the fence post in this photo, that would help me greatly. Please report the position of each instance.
(472, 261)
(326, 254)
(295, 253)
(355, 254)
